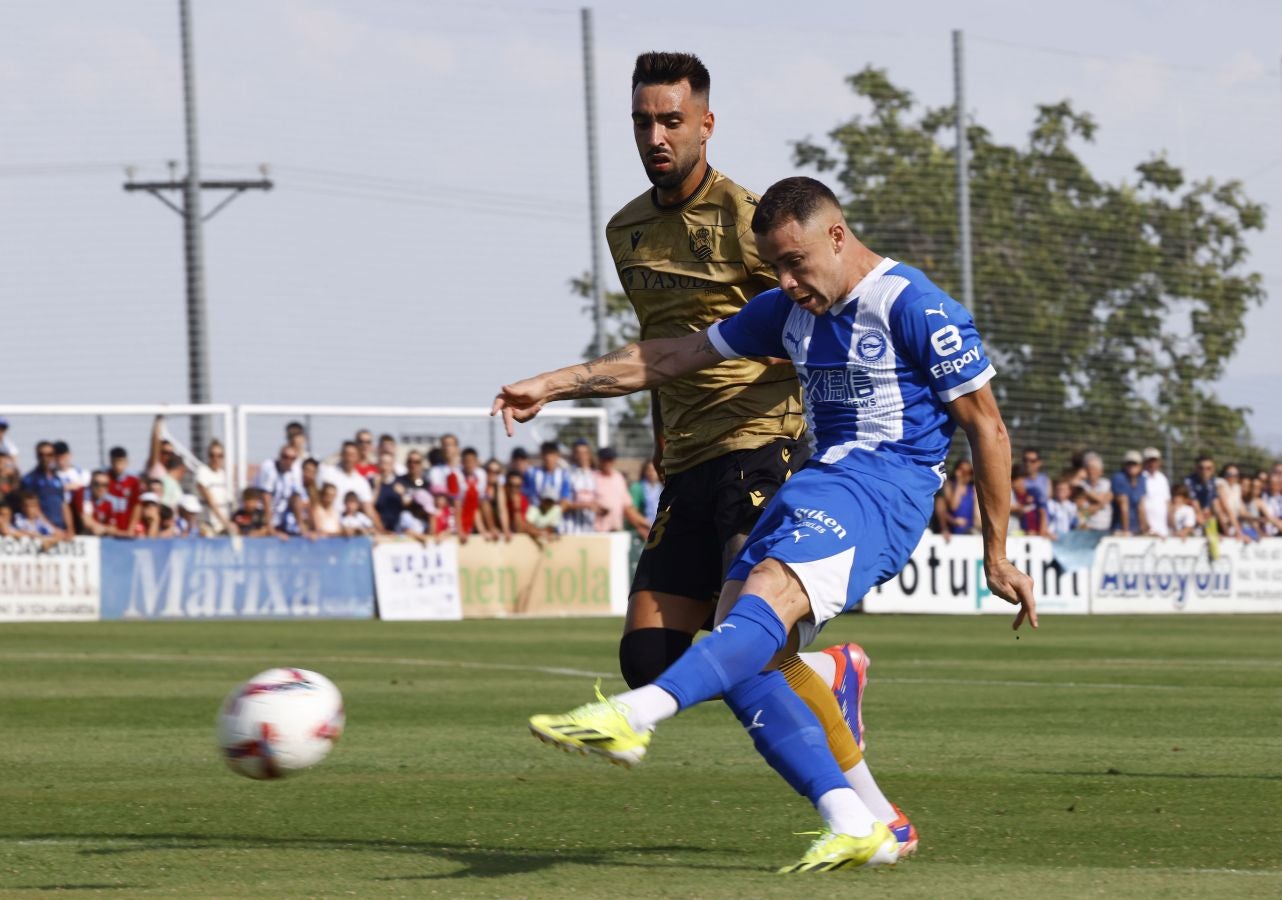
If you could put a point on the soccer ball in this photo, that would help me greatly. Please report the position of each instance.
(279, 722)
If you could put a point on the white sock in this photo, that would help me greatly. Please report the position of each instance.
(860, 778)
(844, 813)
(647, 706)
(823, 664)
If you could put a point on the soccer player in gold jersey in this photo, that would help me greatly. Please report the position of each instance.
(726, 438)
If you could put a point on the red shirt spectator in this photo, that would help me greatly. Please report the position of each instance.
(124, 491)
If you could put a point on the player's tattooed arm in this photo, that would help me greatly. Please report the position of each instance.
(634, 367)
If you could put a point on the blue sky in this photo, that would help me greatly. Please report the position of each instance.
(429, 157)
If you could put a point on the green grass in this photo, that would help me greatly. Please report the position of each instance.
(1117, 757)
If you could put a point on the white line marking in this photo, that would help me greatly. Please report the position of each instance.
(257, 660)
(995, 682)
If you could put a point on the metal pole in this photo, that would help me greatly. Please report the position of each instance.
(963, 176)
(102, 444)
(193, 245)
(594, 202)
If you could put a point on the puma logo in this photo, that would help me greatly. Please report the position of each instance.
(929, 311)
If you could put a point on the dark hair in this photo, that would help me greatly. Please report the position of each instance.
(60, 447)
(119, 453)
(435, 456)
(470, 451)
(670, 68)
(793, 199)
(175, 462)
(1204, 458)
(294, 426)
(549, 447)
(351, 444)
(385, 437)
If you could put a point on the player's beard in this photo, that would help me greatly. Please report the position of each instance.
(680, 171)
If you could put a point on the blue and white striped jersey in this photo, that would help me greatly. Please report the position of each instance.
(876, 369)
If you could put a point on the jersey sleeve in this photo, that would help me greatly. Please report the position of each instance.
(938, 336)
(755, 330)
(757, 268)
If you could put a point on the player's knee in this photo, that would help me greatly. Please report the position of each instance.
(644, 654)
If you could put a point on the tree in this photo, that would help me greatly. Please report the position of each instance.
(1109, 309)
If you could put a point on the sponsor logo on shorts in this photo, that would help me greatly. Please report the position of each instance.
(818, 520)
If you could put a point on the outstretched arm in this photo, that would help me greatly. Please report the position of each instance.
(978, 415)
(635, 367)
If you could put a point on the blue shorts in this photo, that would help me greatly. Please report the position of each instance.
(842, 529)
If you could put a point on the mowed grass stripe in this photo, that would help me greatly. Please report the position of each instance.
(109, 781)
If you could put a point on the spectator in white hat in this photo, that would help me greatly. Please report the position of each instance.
(187, 522)
(1157, 493)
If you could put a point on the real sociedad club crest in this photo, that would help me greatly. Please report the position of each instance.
(701, 244)
(871, 346)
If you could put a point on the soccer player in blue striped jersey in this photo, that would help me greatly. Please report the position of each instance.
(890, 366)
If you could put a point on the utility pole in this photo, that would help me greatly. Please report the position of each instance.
(963, 176)
(190, 187)
(594, 201)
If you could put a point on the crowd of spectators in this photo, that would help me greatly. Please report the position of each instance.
(366, 488)
(380, 488)
(1138, 499)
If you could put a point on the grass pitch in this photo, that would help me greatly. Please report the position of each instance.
(1118, 757)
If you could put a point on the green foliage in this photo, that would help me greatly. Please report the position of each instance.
(1109, 309)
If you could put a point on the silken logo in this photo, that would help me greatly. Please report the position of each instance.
(818, 520)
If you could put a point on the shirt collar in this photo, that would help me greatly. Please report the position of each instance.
(864, 285)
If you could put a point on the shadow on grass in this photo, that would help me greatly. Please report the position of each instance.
(482, 862)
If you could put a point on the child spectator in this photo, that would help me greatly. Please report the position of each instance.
(325, 512)
(125, 492)
(251, 520)
(1183, 515)
(43, 482)
(545, 518)
(31, 520)
(1061, 512)
(148, 524)
(354, 522)
(187, 524)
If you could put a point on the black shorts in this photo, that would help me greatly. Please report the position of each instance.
(702, 508)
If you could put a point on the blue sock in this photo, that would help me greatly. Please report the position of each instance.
(787, 734)
(739, 648)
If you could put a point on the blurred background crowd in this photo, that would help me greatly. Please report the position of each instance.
(1135, 499)
(366, 487)
(378, 486)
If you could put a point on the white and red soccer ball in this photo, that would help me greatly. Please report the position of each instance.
(279, 722)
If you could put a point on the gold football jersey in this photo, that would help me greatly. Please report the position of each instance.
(683, 268)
